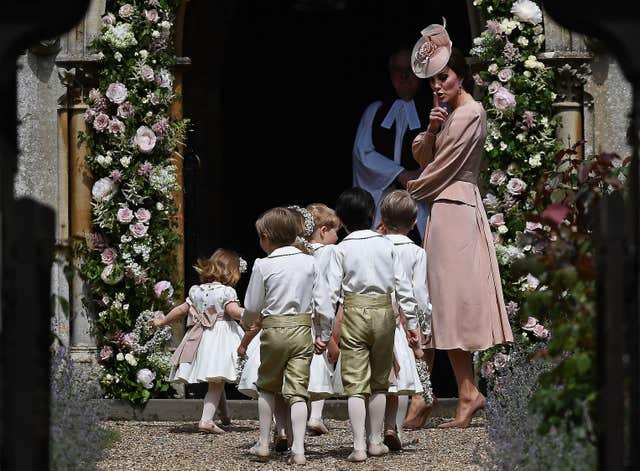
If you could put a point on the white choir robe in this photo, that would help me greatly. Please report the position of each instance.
(375, 172)
(366, 262)
(287, 281)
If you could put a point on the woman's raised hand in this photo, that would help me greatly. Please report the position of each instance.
(437, 116)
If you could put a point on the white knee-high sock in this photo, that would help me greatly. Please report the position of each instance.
(211, 400)
(390, 412)
(299, 425)
(316, 409)
(265, 412)
(280, 414)
(403, 406)
(377, 403)
(357, 416)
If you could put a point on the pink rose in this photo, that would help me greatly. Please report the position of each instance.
(106, 353)
(504, 100)
(125, 215)
(516, 186)
(540, 332)
(497, 220)
(532, 226)
(125, 11)
(108, 256)
(116, 126)
(138, 230)
(146, 72)
(111, 274)
(505, 75)
(145, 139)
(531, 323)
(152, 15)
(143, 215)
(117, 92)
(103, 189)
(100, 122)
(89, 115)
(125, 110)
(498, 177)
(128, 340)
(160, 287)
(161, 126)
(109, 19)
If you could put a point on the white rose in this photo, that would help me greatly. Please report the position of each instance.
(131, 359)
(535, 160)
(503, 229)
(493, 68)
(155, 34)
(488, 146)
(494, 86)
(505, 75)
(103, 189)
(117, 92)
(117, 56)
(145, 377)
(165, 24)
(144, 53)
(523, 41)
(120, 356)
(498, 177)
(503, 145)
(527, 11)
(527, 73)
(145, 139)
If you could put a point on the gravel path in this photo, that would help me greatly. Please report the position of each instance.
(179, 446)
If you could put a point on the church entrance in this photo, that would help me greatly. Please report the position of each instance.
(275, 93)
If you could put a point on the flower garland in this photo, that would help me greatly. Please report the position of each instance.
(128, 258)
(517, 94)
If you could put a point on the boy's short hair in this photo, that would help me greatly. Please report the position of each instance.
(356, 209)
(323, 215)
(280, 225)
(398, 211)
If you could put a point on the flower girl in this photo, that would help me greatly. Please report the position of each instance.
(207, 352)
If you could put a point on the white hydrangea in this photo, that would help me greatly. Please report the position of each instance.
(163, 179)
(120, 36)
(103, 160)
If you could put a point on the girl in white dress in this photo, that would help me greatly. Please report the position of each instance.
(398, 216)
(321, 376)
(207, 352)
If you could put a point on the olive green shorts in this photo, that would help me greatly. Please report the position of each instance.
(366, 342)
(286, 351)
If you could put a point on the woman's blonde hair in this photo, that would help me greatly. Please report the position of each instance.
(280, 225)
(323, 215)
(398, 211)
(223, 266)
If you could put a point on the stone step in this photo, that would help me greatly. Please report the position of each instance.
(191, 409)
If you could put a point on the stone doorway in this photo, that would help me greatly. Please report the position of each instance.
(278, 88)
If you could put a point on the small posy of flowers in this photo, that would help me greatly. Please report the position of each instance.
(128, 258)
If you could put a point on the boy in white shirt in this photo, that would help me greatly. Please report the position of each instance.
(283, 290)
(366, 268)
(398, 217)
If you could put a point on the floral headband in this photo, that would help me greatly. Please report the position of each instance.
(243, 265)
(309, 224)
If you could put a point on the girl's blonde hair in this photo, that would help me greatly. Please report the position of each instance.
(280, 225)
(323, 215)
(223, 266)
(398, 211)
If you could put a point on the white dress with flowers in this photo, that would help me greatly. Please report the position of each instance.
(216, 357)
(247, 384)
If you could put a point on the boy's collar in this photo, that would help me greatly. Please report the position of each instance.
(282, 251)
(362, 234)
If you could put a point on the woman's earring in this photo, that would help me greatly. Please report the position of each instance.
(459, 90)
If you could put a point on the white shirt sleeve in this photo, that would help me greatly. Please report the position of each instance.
(323, 316)
(421, 291)
(372, 171)
(333, 278)
(404, 292)
(254, 298)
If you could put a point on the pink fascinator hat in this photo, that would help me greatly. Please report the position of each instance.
(432, 51)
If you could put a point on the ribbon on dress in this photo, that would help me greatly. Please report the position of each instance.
(191, 340)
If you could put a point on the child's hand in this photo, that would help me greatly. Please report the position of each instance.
(242, 351)
(418, 353)
(319, 346)
(413, 337)
(426, 339)
(333, 351)
(155, 323)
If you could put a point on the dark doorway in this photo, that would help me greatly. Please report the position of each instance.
(275, 94)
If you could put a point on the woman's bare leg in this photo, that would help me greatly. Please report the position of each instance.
(470, 400)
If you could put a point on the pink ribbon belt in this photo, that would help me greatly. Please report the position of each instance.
(191, 340)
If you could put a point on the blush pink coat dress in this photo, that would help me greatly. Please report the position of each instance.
(462, 272)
